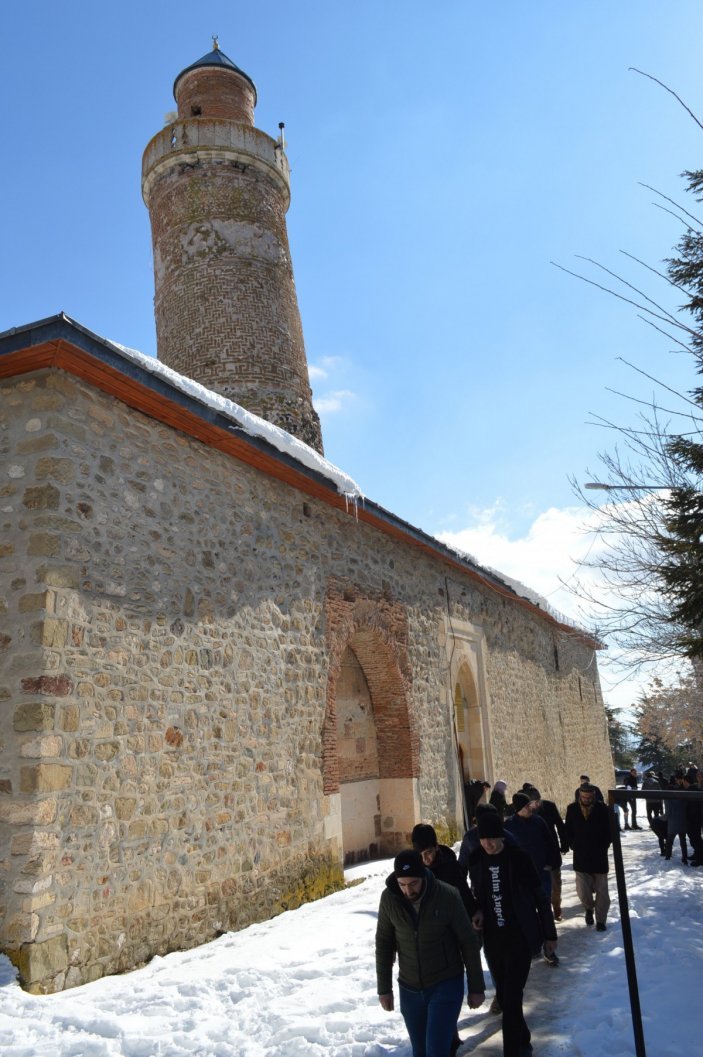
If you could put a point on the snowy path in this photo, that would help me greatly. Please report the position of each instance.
(303, 985)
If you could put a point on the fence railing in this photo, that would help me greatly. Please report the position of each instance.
(617, 797)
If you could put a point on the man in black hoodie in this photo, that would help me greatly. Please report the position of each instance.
(516, 919)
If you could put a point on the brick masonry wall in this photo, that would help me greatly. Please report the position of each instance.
(226, 305)
(171, 623)
(211, 92)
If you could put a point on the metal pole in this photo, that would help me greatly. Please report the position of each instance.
(625, 925)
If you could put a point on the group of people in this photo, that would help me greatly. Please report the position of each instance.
(680, 817)
(503, 892)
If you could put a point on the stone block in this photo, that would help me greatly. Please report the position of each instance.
(69, 718)
(37, 716)
(32, 445)
(58, 576)
(55, 632)
(32, 602)
(125, 806)
(21, 928)
(22, 813)
(41, 497)
(50, 685)
(56, 469)
(45, 778)
(40, 963)
(35, 841)
(44, 544)
(39, 748)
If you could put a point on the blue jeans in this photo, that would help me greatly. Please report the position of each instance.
(431, 1014)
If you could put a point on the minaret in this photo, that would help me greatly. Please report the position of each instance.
(217, 190)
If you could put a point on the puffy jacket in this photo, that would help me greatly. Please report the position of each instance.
(434, 945)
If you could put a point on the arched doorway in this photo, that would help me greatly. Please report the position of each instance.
(371, 759)
(357, 753)
(467, 718)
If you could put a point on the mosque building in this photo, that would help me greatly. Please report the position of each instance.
(223, 672)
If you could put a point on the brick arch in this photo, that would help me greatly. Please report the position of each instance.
(376, 631)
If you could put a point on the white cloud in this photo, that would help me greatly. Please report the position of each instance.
(330, 403)
(316, 373)
(545, 559)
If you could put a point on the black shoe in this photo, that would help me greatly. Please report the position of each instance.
(600, 926)
(495, 1006)
(550, 959)
(636, 827)
(589, 917)
(627, 826)
(456, 1043)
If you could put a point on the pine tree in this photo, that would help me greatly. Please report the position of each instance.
(681, 542)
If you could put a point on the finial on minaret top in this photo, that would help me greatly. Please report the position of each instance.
(215, 42)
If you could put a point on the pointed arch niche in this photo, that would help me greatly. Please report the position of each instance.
(370, 751)
(464, 643)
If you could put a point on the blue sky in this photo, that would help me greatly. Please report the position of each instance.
(441, 158)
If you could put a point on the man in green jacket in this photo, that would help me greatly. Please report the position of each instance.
(424, 922)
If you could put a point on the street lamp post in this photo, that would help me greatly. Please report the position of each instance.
(599, 485)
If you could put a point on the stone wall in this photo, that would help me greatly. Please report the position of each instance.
(172, 627)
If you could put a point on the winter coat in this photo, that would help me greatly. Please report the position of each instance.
(675, 811)
(446, 868)
(433, 945)
(530, 904)
(499, 802)
(549, 811)
(589, 838)
(533, 836)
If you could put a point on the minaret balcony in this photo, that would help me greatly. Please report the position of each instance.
(211, 139)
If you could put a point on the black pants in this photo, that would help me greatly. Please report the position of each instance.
(682, 841)
(508, 955)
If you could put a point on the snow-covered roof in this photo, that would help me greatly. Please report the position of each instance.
(250, 423)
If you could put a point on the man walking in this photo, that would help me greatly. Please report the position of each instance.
(424, 922)
(548, 811)
(442, 861)
(632, 782)
(588, 833)
(516, 919)
(532, 834)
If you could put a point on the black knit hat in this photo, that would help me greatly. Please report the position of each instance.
(489, 824)
(520, 800)
(533, 793)
(423, 837)
(409, 864)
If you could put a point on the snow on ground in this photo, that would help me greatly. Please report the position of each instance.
(303, 985)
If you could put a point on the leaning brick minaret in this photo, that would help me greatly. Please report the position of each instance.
(217, 190)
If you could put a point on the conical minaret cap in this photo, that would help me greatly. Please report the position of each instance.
(218, 60)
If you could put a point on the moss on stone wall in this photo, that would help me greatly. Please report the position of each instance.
(319, 877)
